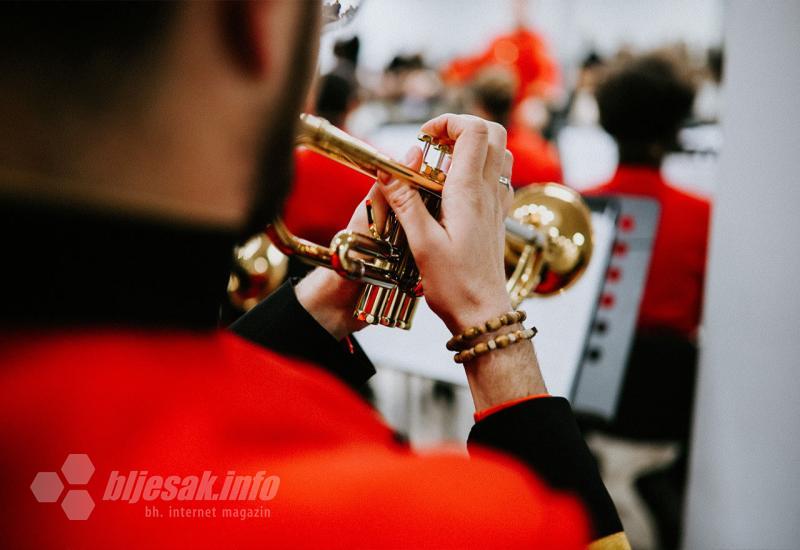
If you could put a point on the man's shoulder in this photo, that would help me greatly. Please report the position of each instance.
(216, 376)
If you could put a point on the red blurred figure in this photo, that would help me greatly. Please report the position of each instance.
(523, 52)
(536, 160)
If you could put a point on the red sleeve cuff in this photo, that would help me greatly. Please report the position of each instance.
(480, 415)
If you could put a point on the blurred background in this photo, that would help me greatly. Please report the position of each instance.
(627, 102)
(414, 56)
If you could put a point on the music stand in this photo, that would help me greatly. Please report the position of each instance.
(602, 371)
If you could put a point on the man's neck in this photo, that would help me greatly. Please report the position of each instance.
(70, 267)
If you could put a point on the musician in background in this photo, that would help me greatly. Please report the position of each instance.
(642, 105)
(491, 96)
(138, 143)
(324, 192)
(580, 107)
(345, 53)
(522, 51)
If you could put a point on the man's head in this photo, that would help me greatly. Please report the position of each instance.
(177, 110)
(347, 49)
(336, 97)
(491, 94)
(642, 105)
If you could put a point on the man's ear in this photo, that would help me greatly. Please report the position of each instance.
(244, 27)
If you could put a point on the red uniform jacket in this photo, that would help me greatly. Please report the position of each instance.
(180, 404)
(674, 290)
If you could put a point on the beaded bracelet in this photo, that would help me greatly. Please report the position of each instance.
(458, 342)
(500, 342)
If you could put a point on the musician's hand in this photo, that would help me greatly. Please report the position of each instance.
(460, 256)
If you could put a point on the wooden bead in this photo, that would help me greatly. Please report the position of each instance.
(472, 332)
(494, 324)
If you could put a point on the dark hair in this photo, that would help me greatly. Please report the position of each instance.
(347, 49)
(334, 97)
(494, 89)
(642, 104)
(79, 53)
(591, 60)
(400, 63)
(715, 59)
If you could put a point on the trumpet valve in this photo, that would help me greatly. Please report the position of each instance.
(390, 307)
(371, 303)
(434, 169)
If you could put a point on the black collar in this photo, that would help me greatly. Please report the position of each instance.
(67, 267)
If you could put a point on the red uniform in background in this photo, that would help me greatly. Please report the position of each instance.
(324, 196)
(535, 159)
(673, 293)
(178, 404)
(522, 51)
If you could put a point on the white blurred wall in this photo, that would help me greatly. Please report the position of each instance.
(745, 465)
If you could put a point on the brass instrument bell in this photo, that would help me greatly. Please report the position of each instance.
(259, 268)
(548, 241)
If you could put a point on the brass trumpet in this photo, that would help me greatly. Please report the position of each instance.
(548, 235)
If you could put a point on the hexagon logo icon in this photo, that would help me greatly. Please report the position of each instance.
(78, 504)
(77, 469)
(47, 487)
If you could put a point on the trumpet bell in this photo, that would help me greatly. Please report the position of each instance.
(259, 268)
(554, 245)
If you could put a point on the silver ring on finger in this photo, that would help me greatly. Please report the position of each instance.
(505, 182)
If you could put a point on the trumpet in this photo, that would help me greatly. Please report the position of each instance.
(548, 235)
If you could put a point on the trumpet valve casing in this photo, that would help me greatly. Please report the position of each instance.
(395, 306)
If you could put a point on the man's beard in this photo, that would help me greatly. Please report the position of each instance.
(275, 170)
